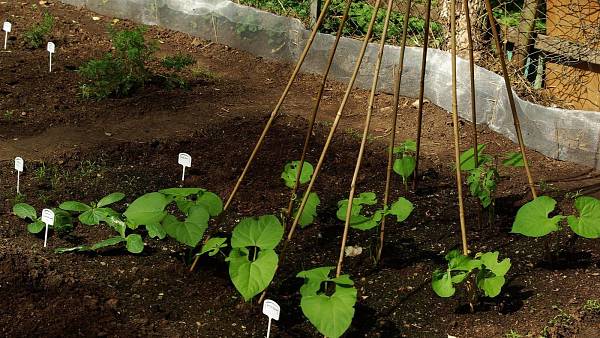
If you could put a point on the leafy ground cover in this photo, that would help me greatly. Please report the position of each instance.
(70, 157)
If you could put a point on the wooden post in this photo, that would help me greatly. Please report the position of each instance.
(525, 28)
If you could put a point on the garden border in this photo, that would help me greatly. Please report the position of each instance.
(570, 135)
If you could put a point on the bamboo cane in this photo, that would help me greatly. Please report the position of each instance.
(394, 121)
(461, 207)
(472, 78)
(279, 103)
(315, 110)
(511, 98)
(422, 90)
(363, 142)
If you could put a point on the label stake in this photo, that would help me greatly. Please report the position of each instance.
(271, 310)
(6, 27)
(19, 166)
(51, 48)
(185, 160)
(48, 219)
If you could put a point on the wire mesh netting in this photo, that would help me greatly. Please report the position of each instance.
(553, 45)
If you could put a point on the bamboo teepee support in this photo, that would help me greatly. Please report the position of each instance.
(459, 185)
(511, 98)
(472, 78)
(394, 122)
(332, 130)
(336, 122)
(315, 110)
(363, 142)
(275, 111)
(422, 90)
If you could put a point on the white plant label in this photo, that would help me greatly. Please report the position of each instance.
(185, 160)
(48, 219)
(6, 27)
(19, 166)
(51, 48)
(271, 310)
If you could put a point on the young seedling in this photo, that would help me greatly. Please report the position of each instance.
(253, 260)
(327, 302)
(482, 177)
(402, 208)
(62, 220)
(93, 213)
(489, 278)
(289, 174)
(37, 35)
(405, 163)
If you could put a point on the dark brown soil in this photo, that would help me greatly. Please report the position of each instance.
(80, 149)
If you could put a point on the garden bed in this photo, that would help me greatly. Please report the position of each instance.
(82, 150)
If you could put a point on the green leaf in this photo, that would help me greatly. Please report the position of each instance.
(406, 147)
(405, 167)
(156, 231)
(103, 244)
(366, 198)
(36, 227)
(514, 159)
(402, 208)
(74, 206)
(147, 209)
(310, 210)
(532, 218)
(110, 199)
(24, 210)
(588, 223)
(96, 215)
(135, 243)
(211, 201)
(459, 262)
(467, 158)
(180, 192)
(251, 278)
(490, 283)
(369, 223)
(213, 246)
(264, 232)
(117, 224)
(490, 261)
(482, 184)
(441, 283)
(192, 230)
(331, 315)
(290, 171)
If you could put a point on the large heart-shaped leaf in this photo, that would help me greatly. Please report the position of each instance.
(74, 206)
(402, 208)
(36, 226)
(588, 223)
(331, 315)
(251, 277)
(532, 219)
(191, 231)
(405, 166)
(211, 201)
(264, 232)
(24, 210)
(147, 209)
(310, 210)
(110, 199)
(290, 171)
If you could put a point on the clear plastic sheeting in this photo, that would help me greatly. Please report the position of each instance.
(568, 135)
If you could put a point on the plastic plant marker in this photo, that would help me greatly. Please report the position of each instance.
(6, 27)
(48, 219)
(51, 48)
(271, 309)
(19, 166)
(185, 160)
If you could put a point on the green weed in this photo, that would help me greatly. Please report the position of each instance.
(36, 36)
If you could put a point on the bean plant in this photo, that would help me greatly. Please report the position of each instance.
(327, 302)
(360, 220)
(489, 273)
(93, 213)
(63, 223)
(289, 174)
(405, 163)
